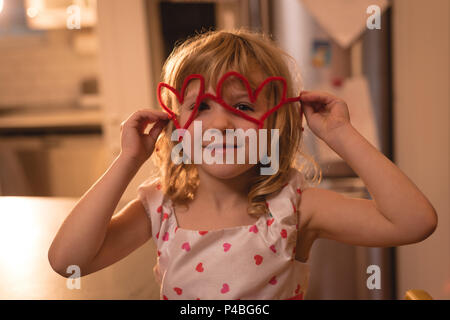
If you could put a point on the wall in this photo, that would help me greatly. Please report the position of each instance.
(421, 122)
(42, 68)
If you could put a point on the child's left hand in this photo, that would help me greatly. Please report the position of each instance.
(324, 113)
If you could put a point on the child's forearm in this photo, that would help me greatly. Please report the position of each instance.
(82, 234)
(395, 195)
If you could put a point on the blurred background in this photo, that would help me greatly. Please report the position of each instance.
(72, 71)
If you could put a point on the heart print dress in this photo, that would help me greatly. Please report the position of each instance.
(244, 262)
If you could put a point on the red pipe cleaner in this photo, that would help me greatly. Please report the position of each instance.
(218, 97)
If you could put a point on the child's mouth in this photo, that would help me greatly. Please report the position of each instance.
(221, 148)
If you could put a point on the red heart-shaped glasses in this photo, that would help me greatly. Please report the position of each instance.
(218, 97)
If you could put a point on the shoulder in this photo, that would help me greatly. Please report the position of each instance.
(306, 208)
(315, 201)
(296, 181)
(157, 206)
(304, 195)
(284, 203)
(150, 194)
(151, 183)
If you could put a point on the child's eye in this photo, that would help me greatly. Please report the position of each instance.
(239, 106)
(200, 107)
(243, 107)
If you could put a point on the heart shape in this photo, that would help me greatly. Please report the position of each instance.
(226, 247)
(225, 288)
(180, 97)
(283, 233)
(179, 291)
(218, 97)
(166, 236)
(186, 246)
(273, 281)
(258, 259)
(199, 267)
(253, 229)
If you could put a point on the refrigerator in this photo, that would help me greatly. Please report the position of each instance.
(360, 71)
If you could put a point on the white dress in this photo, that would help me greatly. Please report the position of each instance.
(245, 262)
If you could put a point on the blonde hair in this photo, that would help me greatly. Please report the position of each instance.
(211, 54)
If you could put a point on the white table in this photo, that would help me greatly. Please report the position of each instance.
(27, 228)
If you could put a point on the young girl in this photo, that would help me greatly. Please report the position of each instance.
(224, 231)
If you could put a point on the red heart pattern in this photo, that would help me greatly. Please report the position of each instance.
(179, 291)
(253, 229)
(226, 247)
(225, 288)
(199, 267)
(258, 259)
(186, 246)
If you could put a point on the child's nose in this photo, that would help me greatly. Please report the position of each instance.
(220, 117)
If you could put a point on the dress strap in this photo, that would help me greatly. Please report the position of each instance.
(283, 205)
(157, 209)
(282, 228)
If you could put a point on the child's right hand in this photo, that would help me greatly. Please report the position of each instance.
(135, 144)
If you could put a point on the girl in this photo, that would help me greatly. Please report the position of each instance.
(224, 231)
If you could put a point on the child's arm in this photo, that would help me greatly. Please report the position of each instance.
(88, 237)
(398, 214)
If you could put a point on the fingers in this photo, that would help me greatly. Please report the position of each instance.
(141, 118)
(157, 128)
(316, 101)
(307, 110)
(149, 114)
(316, 97)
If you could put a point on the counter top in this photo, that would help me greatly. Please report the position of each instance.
(54, 118)
(27, 228)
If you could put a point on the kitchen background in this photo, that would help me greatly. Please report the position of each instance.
(72, 71)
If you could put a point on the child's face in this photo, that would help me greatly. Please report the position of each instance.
(213, 115)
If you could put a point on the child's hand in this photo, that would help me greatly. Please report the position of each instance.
(136, 145)
(324, 113)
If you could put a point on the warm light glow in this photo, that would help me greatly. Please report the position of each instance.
(18, 234)
(1, 5)
(32, 12)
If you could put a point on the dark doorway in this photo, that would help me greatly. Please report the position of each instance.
(181, 20)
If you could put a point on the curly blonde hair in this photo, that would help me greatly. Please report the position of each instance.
(238, 50)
